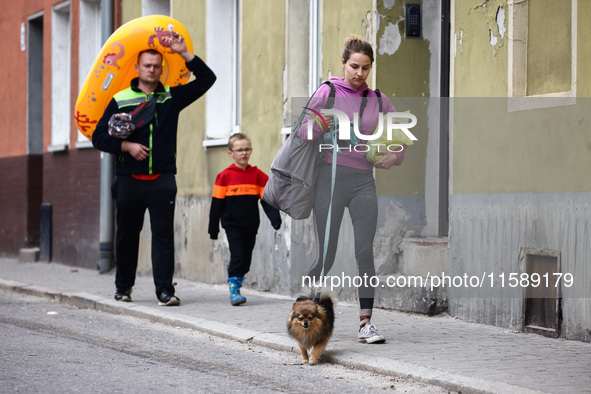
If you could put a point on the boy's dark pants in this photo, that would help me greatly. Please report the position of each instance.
(241, 242)
(132, 197)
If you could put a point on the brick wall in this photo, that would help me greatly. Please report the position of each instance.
(20, 200)
(71, 184)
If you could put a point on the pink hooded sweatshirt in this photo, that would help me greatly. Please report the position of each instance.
(348, 100)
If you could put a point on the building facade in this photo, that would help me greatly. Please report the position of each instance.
(494, 188)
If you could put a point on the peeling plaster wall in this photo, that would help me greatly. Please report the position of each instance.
(406, 70)
(201, 259)
(396, 222)
(479, 48)
(509, 189)
(338, 23)
(488, 235)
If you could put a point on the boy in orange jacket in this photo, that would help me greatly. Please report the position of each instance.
(234, 201)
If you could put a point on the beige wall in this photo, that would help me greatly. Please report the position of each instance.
(262, 78)
(403, 69)
(519, 165)
(541, 151)
(192, 161)
(583, 48)
(496, 150)
(548, 47)
(338, 23)
(479, 67)
(130, 9)
(263, 86)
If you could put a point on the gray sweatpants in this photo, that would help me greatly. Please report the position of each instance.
(356, 190)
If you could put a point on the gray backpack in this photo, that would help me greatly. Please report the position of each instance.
(292, 179)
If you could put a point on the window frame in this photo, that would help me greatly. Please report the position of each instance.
(518, 100)
(61, 60)
(223, 104)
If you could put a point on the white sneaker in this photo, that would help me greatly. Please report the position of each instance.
(369, 334)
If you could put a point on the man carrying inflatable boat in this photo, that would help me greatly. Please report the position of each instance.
(139, 125)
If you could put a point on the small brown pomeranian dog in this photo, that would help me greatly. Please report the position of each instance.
(311, 322)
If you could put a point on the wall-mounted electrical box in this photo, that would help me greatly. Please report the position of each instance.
(414, 20)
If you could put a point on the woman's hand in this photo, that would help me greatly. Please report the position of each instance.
(387, 161)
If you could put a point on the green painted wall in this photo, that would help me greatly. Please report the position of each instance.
(583, 49)
(548, 47)
(263, 63)
(130, 9)
(479, 68)
(403, 74)
(192, 162)
(535, 151)
(339, 22)
(495, 150)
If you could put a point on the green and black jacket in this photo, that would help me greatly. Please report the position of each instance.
(160, 134)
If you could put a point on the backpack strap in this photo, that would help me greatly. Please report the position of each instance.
(330, 101)
(379, 98)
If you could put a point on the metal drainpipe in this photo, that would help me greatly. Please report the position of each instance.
(106, 260)
(443, 226)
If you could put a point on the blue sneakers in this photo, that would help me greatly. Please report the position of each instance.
(235, 283)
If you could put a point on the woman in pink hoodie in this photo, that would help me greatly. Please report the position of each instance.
(354, 184)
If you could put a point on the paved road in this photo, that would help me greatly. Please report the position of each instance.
(440, 350)
(55, 348)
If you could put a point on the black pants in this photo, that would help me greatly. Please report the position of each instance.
(132, 197)
(241, 242)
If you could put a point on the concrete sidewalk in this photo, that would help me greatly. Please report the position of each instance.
(440, 350)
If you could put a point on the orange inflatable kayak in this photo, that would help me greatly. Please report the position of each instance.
(114, 67)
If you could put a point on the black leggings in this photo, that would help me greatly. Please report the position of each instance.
(356, 190)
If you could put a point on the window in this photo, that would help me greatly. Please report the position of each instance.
(60, 77)
(223, 56)
(156, 7)
(90, 42)
(315, 49)
(542, 53)
(35, 85)
(303, 57)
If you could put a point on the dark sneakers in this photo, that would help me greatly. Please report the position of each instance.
(167, 299)
(123, 295)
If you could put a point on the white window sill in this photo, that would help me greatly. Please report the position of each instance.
(57, 148)
(84, 144)
(215, 142)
